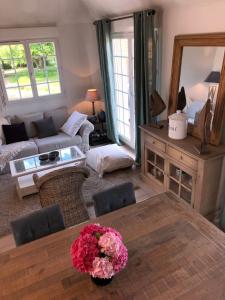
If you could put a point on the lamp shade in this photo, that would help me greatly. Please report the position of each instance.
(213, 77)
(92, 95)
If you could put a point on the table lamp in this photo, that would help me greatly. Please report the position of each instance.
(213, 77)
(92, 95)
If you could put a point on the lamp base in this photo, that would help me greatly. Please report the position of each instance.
(93, 108)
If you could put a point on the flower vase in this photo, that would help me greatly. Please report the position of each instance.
(101, 281)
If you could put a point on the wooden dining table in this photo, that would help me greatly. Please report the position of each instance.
(174, 253)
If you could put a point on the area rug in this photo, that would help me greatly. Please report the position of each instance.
(11, 207)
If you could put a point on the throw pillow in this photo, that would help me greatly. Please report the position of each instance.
(3, 121)
(73, 124)
(45, 128)
(59, 116)
(28, 120)
(15, 133)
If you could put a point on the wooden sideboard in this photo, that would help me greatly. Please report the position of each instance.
(174, 166)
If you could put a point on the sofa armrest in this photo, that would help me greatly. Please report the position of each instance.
(85, 130)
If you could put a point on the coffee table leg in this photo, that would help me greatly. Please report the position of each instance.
(18, 189)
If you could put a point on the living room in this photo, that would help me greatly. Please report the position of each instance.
(112, 135)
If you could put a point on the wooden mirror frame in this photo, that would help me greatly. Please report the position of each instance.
(199, 40)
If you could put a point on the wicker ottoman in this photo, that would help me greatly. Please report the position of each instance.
(108, 158)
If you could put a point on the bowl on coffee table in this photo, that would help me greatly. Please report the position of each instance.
(53, 155)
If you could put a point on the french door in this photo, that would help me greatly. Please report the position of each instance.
(123, 61)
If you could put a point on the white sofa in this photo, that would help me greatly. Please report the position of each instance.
(61, 140)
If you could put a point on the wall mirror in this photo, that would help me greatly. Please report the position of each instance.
(198, 74)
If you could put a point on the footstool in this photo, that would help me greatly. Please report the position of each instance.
(108, 158)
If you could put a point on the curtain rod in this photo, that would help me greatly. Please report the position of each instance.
(150, 12)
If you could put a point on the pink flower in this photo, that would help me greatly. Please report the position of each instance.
(93, 229)
(110, 229)
(83, 252)
(102, 268)
(120, 262)
(99, 251)
(110, 244)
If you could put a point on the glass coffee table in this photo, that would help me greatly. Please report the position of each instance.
(24, 168)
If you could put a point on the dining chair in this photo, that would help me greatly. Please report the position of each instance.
(114, 198)
(37, 224)
(64, 186)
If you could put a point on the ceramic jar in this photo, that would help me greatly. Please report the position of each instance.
(178, 125)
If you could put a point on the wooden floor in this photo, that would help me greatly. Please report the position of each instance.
(142, 192)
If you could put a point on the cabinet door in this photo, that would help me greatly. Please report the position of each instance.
(154, 165)
(181, 182)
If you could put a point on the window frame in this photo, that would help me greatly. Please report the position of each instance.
(36, 97)
(130, 37)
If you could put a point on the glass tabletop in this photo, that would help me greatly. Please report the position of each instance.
(34, 162)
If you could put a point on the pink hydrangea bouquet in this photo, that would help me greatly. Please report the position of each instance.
(99, 251)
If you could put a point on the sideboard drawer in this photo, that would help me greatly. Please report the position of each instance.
(184, 158)
(156, 143)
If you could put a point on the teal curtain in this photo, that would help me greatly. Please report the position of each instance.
(103, 30)
(144, 70)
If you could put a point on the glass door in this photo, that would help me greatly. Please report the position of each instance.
(123, 61)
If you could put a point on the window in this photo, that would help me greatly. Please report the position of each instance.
(123, 60)
(29, 69)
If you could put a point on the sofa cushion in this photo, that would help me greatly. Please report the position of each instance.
(3, 121)
(73, 124)
(28, 120)
(15, 133)
(45, 128)
(58, 115)
(58, 141)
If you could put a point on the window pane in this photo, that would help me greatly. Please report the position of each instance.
(119, 82)
(17, 51)
(125, 101)
(121, 128)
(14, 70)
(124, 47)
(5, 52)
(55, 88)
(26, 92)
(124, 64)
(10, 78)
(22, 72)
(119, 98)
(7, 64)
(40, 76)
(53, 74)
(45, 68)
(13, 94)
(51, 62)
(126, 84)
(117, 65)
(48, 48)
(116, 47)
(126, 117)
(127, 132)
(42, 89)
